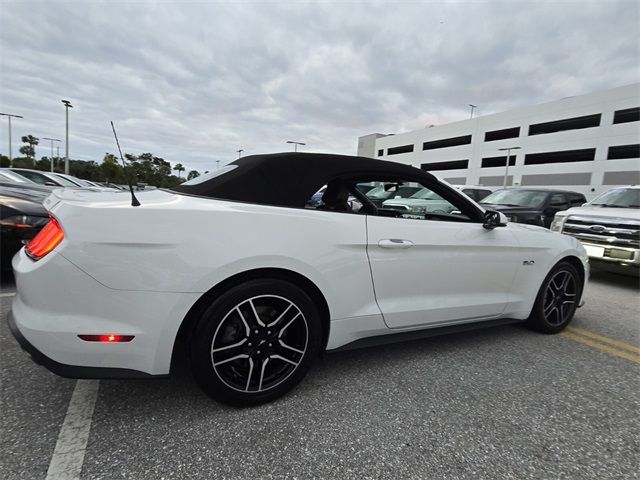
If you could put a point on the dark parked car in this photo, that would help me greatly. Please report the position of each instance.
(21, 217)
(533, 206)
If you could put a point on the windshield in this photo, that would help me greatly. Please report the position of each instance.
(426, 194)
(516, 198)
(618, 198)
(208, 176)
(14, 177)
(64, 181)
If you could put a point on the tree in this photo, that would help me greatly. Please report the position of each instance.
(111, 169)
(179, 168)
(30, 148)
(193, 174)
(4, 161)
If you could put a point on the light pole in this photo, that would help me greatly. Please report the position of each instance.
(240, 152)
(9, 115)
(295, 145)
(473, 107)
(506, 170)
(67, 106)
(52, 140)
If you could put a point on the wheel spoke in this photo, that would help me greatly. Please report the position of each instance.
(565, 281)
(246, 388)
(275, 322)
(549, 308)
(287, 325)
(264, 365)
(233, 345)
(236, 357)
(301, 352)
(255, 313)
(280, 357)
(246, 325)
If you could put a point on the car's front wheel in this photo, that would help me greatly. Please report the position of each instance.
(557, 299)
(255, 342)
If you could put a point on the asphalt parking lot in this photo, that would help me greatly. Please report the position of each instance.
(501, 402)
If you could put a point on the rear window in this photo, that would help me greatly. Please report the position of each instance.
(208, 176)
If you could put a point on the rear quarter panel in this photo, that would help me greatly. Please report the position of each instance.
(177, 243)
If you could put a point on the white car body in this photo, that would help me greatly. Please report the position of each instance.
(143, 281)
(238, 267)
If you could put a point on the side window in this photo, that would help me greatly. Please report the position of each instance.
(576, 199)
(470, 192)
(34, 177)
(558, 201)
(411, 200)
(482, 194)
(335, 197)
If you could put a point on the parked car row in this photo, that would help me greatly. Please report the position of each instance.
(22, 192)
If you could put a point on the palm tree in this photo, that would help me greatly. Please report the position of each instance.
(180, 168)
(30, 148)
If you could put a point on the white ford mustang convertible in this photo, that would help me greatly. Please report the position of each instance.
(255, 283)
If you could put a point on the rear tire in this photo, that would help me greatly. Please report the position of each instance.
(557, 300)
(255, 342)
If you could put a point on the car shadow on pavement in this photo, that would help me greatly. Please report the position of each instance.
(615, 279)
(336, 370)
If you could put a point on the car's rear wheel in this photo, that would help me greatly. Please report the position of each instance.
(256, 342)
(557, 299)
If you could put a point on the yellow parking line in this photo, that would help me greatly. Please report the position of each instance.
(602, 347)
(603, 339)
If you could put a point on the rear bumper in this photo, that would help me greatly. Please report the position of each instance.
(71, 371)
(56, 301)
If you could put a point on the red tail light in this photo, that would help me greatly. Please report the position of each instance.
(107, 338)
(45, 241)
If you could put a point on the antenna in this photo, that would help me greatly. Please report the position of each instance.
(134, 200)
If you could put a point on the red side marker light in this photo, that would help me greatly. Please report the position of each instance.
(107, 338)
(45, 241)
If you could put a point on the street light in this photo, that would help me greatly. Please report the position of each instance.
(506, 171)
(9, 115)
(67, 106)
(52, 140)
(473, 107)
(240, 152)
(295, 145)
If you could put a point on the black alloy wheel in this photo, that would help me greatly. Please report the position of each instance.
(557, 299)
(255, 342)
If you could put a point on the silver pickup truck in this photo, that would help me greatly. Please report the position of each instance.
(608, 227)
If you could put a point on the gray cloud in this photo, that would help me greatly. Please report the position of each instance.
(193, 82)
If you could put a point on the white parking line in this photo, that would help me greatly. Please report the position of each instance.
(9, 294)
(68, 456)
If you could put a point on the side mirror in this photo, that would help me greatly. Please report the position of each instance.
(493, 219)
(51, 184)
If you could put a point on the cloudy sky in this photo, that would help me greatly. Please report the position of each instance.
(195, 81)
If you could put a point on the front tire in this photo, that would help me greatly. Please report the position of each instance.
(255, 342)
(557, 300)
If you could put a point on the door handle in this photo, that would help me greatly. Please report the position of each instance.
(395, 243)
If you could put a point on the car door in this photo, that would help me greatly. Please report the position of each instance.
(436, 269)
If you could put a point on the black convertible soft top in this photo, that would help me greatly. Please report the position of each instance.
(290, 179)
